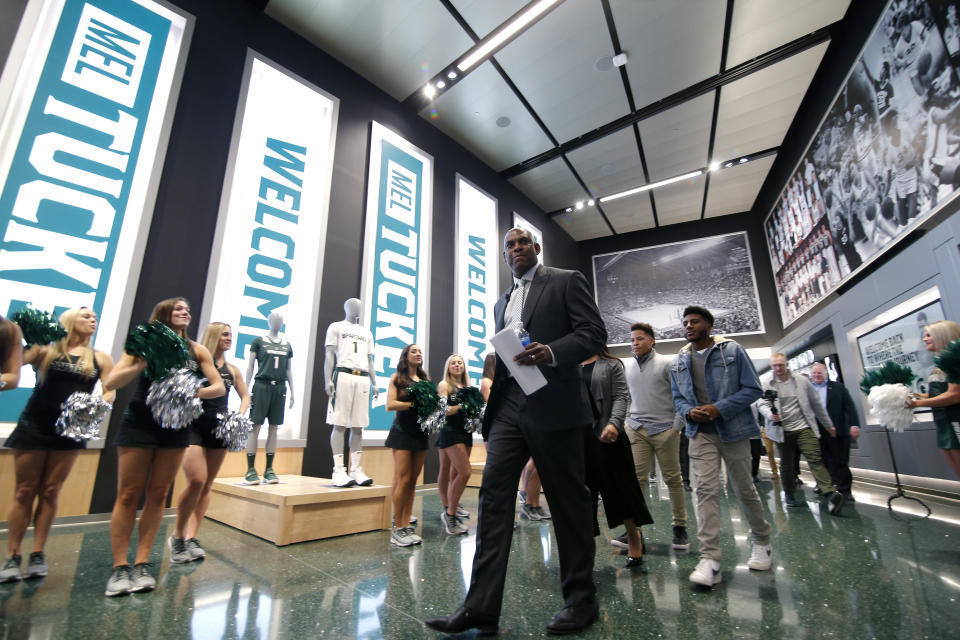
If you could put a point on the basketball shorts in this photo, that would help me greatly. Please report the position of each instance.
(269, 398)
(350, 404)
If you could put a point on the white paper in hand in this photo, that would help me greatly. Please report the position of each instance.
(507, 345)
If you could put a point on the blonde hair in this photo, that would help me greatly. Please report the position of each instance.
(58, 350)
(943, 333)
(452, 382)
(211, 337)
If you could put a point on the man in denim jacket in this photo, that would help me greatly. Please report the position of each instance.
(713, 383)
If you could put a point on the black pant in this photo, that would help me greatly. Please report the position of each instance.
(684, 456)
(560, 463)
(756, 452)
(836, 456)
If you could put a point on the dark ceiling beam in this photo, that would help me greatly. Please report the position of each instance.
(705, 86)
(724, 48)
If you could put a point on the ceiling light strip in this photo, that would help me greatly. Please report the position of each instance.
(505, 33)
(652, 185)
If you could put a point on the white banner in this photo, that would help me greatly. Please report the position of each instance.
(272, 226)
(396, 256)
(86, 102)
(477, 268)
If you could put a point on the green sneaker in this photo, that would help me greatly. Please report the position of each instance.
(251, 477)
(269, 477)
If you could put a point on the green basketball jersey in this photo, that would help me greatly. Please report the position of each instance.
(272, 358)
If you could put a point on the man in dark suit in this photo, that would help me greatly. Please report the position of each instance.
(843, 413)
(558, 311)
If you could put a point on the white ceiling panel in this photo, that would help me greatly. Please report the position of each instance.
(630, 214)
(469, 112)
(763, 25)
(610, 164)
(553, 65)
(552, 185)
(397, 45)
(756, 111)
(676, 141)
(484, 16)
(679, 202)
(584, 225)
(671, 45)
(735, 189)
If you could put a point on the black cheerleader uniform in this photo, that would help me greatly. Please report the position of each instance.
(36, 428)
(139, 429)
(202, 429)
(405, 432)
(454, 430)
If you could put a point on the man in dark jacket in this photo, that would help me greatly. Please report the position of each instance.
(843, 414)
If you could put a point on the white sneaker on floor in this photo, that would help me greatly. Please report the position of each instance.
(760, 558)
(707, 573)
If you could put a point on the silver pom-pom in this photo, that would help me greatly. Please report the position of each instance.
(82, 415)
(475, 425)
(433, 422)
(233, 429)
(887, 405)
(173, 400)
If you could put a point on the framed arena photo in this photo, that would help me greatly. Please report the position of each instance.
(654, 284)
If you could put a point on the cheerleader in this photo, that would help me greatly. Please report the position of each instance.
(203, 459)
(43, 458)
(11, 354)
(148, 455)
(453, 444)
(408, 441)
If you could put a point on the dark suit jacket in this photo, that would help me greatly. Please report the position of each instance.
(840, 406)
(559, 312)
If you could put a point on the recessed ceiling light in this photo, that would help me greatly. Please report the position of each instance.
(590, 203)
(441, 84)
(429, 91)
(579, 205)
(742, 160)
(714, 166)
(452, 74)
(569, 209)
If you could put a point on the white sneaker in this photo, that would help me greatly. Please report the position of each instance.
(707, 573)
(341, 479)
(760, 557)
(401, 537)
(360, 478)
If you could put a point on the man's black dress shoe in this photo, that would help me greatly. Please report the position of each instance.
(572, 620)
(463, 620)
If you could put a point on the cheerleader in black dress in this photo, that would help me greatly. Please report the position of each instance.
(43, 458)
(203, 459)
(408, 441)
(148, 455)
(11, 354)
(453, 444)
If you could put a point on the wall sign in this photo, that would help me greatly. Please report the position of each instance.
(86, 98)
(396, 256)
(522, 223)
(477, 275)
(272, 226)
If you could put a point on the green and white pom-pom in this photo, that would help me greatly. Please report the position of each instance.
(473, 408)
(948, 361)
(424, 396)
(173, 401)
(159, 346)
(38, 327)
(233, 430)
(888, 389)
(82, 415)
(435, 421)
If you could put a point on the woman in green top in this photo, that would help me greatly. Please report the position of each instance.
(944, 397)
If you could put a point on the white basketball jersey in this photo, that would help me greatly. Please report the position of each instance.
(354, 344)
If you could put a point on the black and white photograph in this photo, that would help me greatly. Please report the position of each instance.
(885, 156)
(654, 284)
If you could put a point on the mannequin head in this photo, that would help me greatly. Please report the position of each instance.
(275, 321)
(351, 310)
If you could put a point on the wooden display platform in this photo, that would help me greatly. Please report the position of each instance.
(300, 508)
(476, 473)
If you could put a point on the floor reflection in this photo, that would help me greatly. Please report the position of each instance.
(868, 574)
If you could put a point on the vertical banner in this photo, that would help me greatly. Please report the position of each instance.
(522, 223)
(86, 100)
(477, 269)
(271, 230)
(396, 256)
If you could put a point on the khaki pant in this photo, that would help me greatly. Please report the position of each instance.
(706, 452)
(809, 445)
(666, 447)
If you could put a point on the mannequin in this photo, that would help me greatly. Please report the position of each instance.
(272, 355)
(346, 368)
